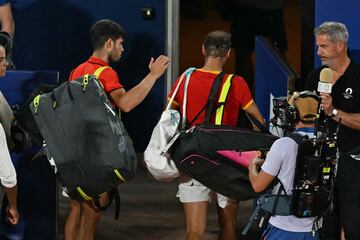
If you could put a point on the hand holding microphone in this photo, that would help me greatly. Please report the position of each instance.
(326, 104)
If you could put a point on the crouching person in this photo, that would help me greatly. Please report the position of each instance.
(280, 163)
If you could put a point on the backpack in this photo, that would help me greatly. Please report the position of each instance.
(315, 172)
(198, 151)
(86, 138)
(24, 131)
(156, 156)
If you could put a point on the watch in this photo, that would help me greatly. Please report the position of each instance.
(334, 112)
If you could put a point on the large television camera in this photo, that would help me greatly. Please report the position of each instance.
(282, 119)
(285, 118)
(316, 161)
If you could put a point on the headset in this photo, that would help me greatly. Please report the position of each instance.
(293, 110)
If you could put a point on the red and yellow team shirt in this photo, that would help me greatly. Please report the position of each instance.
(200, 83)
(108, 76)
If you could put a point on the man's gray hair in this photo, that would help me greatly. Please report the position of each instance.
(335, 30)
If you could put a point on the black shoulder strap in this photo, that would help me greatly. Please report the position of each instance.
(298, 138)
(218, 78)
(197, 115)
(257, 123)
(213, 93)
(113, 194)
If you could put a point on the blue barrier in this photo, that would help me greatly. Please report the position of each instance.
(273, 76)
(36, 179)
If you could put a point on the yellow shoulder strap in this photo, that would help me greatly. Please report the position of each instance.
(222, 99)
(99, 71)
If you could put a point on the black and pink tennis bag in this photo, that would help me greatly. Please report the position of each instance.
(217, 156)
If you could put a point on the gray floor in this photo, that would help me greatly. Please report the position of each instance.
(150, 211)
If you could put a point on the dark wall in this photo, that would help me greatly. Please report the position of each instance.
(342, 11)
(53, 35)
(307, 41)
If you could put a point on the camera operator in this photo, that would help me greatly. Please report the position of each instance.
(281, 162)
(342, 106)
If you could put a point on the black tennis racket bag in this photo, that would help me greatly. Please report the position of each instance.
(197, 151)
(86, 138)
(198, 154)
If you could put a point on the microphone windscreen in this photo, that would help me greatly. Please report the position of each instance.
(326, 75)
(325, 83)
